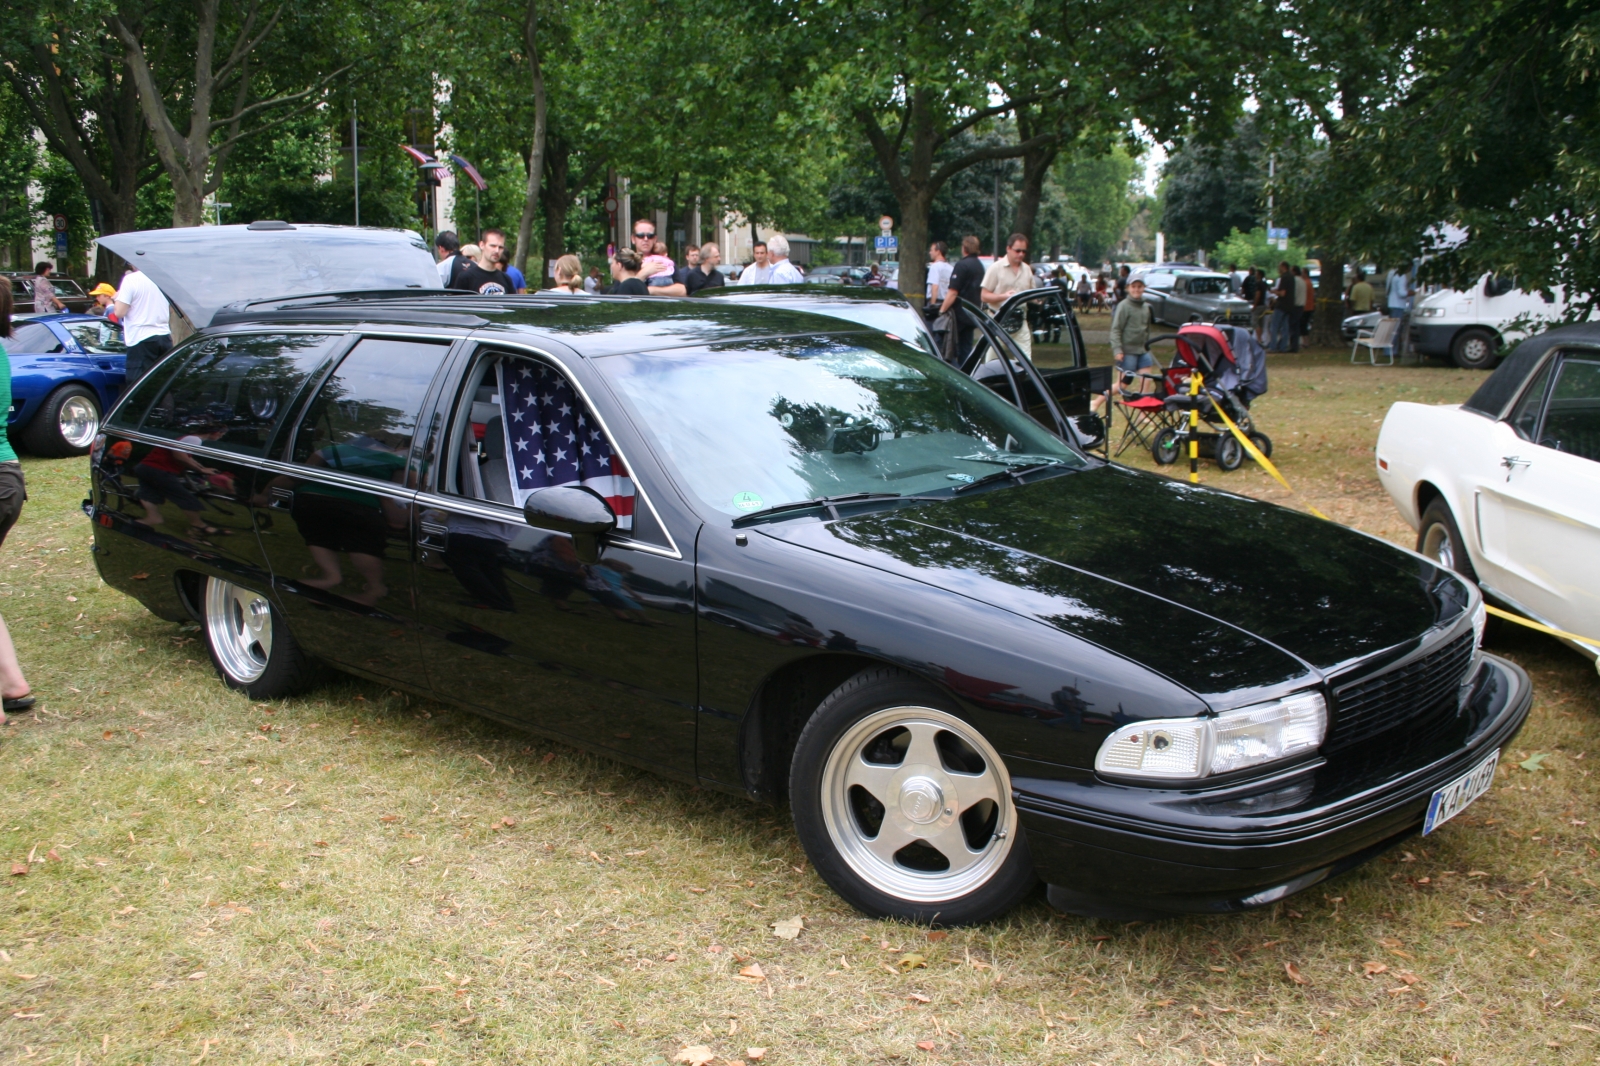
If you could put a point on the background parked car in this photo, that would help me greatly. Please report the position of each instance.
(1176, 297)
(66, 371)
(1471, 328)
(837, 274)
(68, 292)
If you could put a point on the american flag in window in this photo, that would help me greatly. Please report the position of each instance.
(552, 439)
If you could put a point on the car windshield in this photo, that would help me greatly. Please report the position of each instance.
(97, 338)
(757, 424)
(1207, 286)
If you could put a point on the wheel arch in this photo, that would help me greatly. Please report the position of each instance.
(36, 395)
(1426, 493)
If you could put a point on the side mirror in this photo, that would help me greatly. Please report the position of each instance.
(582, 512)
(1091, 430)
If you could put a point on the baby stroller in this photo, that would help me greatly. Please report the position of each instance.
(1233, 372)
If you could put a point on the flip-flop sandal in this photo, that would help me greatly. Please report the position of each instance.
(18, 705)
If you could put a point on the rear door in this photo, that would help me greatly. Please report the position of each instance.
(336, 516)
(1055, 347)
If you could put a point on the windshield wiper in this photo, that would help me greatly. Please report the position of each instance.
(1014, 473)
(830, 502)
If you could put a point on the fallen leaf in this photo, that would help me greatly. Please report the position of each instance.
(1370, 968)
(789, 928)
(107, 735)
(696, 891)
(937, 935)
(25, 1014)
(918, 997)
(549, 756)
(508, 822)
(698, 1055)
(129, 909)
(414, 860)
(140, 576)
(321, 844)
(753, 972)
(925, 1045)
(910, 961)
(51, 854)
(390, 818)
(755, 1054)
(198, 975)
(1532, 762)
(1408, 977)
(19, 869)
(1294, 973)
(671, 957)
(26, 976)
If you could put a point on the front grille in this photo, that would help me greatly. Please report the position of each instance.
(1416, 693)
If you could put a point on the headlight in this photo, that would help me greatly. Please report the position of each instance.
(1188, 748)
(1430, 312)
(1480, 620)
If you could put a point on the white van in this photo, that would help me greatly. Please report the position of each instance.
(1471, 328)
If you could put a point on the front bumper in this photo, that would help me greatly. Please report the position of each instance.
(1431, 339)
(1113, 850)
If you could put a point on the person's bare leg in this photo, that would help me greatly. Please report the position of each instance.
(152, 515)
(328, 561)
(370, 567)
(12, 684)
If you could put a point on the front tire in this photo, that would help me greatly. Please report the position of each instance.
(1440, 540)
(250, 645)
(1474, 349)
(904, 808)
(64, 425)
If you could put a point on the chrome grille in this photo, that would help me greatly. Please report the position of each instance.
(1415, 693)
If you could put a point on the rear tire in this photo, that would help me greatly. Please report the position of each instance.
(1229, 452)
(1474, 349)
(1165, 448)
(904, 808)
(1440, 540)
(250, 645)
(65, 423)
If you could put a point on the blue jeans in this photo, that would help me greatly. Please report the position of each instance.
(1278, 332)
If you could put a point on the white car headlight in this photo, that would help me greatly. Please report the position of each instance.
(1187, 748)
(1430, 312)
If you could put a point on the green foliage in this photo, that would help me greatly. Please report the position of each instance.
(1209, 189)
(1254, 250)
(1089, 199)
(61, 193)
(18, 156)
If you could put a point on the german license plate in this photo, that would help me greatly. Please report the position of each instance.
(1454, 798)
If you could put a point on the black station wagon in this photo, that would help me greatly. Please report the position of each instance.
(793, 558)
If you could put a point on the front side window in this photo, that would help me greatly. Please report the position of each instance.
(1572, 421)
(240, 387)
(364, 417)
(97, 338)
(755, 424)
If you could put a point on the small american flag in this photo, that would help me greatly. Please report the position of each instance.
(552, 440)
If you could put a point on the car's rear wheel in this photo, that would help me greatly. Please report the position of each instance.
(1440, 540)
(65, 423)
(250, 645)
(904, 808)
(1474, 349)
(1165, 448)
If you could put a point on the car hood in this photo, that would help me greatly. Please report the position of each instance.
(1218, 592)
(203, 269)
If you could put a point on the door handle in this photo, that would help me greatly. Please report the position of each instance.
(433, 536)
(282, 499)
(1511, 462)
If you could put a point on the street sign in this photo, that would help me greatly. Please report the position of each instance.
(61, 244)
(61, 223)
(885, 244)
(886, 224)
(1278, 233)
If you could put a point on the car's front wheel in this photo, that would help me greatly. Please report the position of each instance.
(65, 423)
(1440, 539)
(904, 808)
(250, 645)
(1474, 349)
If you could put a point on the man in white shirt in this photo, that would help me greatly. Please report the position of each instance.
(1007, 276)
(759, 271)
(783, 271)
(446, 246)
(939, 268)
(146, 329)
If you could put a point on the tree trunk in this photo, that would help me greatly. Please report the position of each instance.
(1330, 302)
(541, 108)
(1035, 166)
(557, 198)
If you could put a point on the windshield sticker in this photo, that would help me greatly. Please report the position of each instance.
(747, 501)
(968, 478)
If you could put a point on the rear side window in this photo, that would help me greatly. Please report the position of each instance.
(1572, 423)
(32, 338)
(364, 418)
(1525, 418)
(245, 385)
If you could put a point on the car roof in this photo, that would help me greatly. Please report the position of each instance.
(1501, 387)
(771, 294)
(591, 325)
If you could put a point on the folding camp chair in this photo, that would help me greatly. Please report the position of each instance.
(1373, 339)
(1144, 414)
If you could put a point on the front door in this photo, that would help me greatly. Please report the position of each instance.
(1543, 500)
(1054, 345)
(336, 518)
(513, 622)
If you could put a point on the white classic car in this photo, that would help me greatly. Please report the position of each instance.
(1505, 488)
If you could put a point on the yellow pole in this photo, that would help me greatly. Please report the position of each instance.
(1194, 427)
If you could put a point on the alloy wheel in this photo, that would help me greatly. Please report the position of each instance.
(239, 625)
(79, 421)
(1437, 546)
(918, 804)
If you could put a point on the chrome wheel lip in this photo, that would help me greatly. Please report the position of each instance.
(239, 628)
(1436, 545)
(78, 421)
(915, 784)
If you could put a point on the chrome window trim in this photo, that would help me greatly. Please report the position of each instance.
(319, 474)
(671, 551)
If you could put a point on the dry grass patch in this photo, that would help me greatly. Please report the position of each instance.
(361, 876)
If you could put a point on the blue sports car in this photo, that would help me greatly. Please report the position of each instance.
(66, 369)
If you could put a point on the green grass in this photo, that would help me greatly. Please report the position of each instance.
(334, 878)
